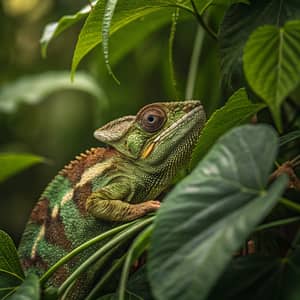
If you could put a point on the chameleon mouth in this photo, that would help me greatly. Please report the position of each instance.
(183, 120)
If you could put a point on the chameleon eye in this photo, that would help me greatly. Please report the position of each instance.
(152, 119)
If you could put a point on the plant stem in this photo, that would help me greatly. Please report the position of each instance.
(290, 204)
(109, 245)
(82, 247)
(190, 86)
(175, 17)
(106, 276)
(278, 223)
(138, 246)
(202, 23)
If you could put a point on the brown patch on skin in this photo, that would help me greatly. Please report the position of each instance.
(80, 195)
(60, 275)
(37, 262)
(75, 168)
(40, 212)
(55, 233)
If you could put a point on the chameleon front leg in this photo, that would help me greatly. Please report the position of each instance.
(104, 204)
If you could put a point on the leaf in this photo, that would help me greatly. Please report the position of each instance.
(126, 12)
(289, 137)
(239, 22)
(272, 64)
(237, 111)
(54, 29)
(9, 258)
(11, 273)
(13, 163)
(28, 290)
(208, 215)
(35, 88)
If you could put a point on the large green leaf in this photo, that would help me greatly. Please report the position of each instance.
(237, 111)
(272, 63)
(28, 290)
(54, 29)
(208, 216)
(239, 22)
(126, 12)
(12, 163)
(35, 88)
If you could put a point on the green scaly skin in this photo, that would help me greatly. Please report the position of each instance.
(105, 186)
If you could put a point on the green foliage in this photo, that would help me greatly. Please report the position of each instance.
(211, 212)
(127, 12)
(54, 29)
(11, 274)
(28, 290)
(35, 88)
(227, 200)
(272, 63)
(239, 22)
(13, 163)
(237, 111)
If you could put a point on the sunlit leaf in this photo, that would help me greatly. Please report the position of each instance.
(13, 163)
(125, 13)
(272, 63)
(208, 216)
(35, 88)
(54, 29)
(237, 111)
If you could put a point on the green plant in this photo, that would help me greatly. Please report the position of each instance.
(225, 200)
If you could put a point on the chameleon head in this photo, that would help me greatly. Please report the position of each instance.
(158, 131)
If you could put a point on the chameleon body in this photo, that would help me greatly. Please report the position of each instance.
(105, 186)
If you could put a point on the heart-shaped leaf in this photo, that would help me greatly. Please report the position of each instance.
(208, 216)
(239, 22)
(272, 63)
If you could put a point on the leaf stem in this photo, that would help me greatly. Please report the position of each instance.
(106, 276)
(175, 17)
(202, 23)
(103, 250)
(277, 223)
(290, 204)
(138, 246)
(190, 86)
(81, 248)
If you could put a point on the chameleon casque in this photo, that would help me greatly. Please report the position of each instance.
(105, 186)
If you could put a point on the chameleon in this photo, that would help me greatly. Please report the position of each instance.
(106, 186)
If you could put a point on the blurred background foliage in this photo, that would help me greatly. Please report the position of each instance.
(57, 122)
